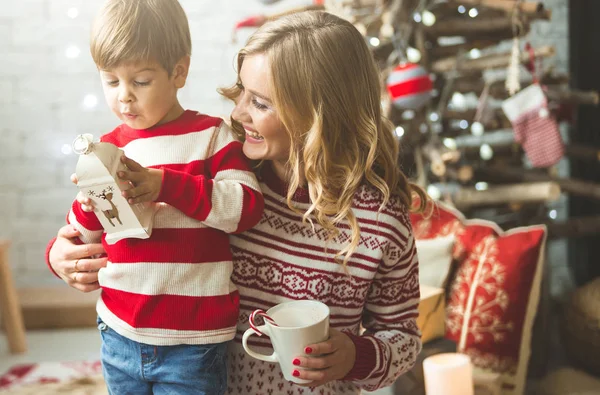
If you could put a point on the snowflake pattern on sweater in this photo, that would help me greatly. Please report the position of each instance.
(283, 259)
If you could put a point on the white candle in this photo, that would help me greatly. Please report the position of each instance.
(448, 374)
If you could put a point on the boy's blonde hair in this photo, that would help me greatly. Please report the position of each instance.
(140, 31)
(326, 89)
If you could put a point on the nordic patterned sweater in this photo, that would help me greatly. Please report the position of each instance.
(283, 259)
(175, 287)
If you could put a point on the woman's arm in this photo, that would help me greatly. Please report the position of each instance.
(392, 341)
(62, 254)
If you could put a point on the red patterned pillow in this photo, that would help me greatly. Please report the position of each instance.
(495, 292)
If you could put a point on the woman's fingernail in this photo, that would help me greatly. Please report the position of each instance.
(308, 350)
(295, 373)
(296, 362)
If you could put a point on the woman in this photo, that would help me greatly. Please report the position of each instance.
(335, 226)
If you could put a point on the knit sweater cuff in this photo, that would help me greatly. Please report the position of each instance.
(48, 248)
(366, 358)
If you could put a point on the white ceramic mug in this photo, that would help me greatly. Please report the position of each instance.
(297, 324)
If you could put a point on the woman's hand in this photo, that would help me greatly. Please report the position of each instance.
(333, 360)
(74, 263)
(146, 183)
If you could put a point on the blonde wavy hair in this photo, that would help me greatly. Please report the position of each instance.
(326, 88)
(140, 30)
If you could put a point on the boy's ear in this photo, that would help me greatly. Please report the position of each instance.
(180, 72)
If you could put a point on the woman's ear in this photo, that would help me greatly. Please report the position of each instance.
(180, 72)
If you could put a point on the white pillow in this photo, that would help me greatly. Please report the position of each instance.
(435, 258)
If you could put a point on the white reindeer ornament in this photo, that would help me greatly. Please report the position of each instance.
(97, 178)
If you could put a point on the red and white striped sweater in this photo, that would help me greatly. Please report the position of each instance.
(175, 287)
(283, 259)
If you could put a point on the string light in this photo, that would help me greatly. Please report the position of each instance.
(66, 149)
(90, 101)
(428, 18)
(473, 12)
(475, 53)
(434, 192)
(374, 41)
(450, 143)
(486, 152)
(72, 52)
(458, 100)
(462, 9)
(408, 115)
(463, 124)
(413, 55)
(481, 186)
(399, 131)
(417, 17)
(477, 129)
(553, 214)
(434, 117)
(72, 12)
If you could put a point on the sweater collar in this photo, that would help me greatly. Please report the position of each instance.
(280, 187)
(165, 128)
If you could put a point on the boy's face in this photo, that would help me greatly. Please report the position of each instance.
(142, 94)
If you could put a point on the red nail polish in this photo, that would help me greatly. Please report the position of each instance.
(308, 350)
(296, 362)
(295, 373)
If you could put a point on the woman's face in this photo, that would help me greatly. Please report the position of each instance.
(266, 137)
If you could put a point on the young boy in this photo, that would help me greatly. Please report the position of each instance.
(167, 306)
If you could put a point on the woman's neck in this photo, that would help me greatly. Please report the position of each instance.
(284, 173)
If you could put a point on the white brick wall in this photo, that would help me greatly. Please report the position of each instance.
(41, 104)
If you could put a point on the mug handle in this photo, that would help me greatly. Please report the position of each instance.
(249, 332)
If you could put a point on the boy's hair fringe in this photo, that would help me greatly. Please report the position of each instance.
(140, 31)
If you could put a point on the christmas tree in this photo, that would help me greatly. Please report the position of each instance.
(475, 105)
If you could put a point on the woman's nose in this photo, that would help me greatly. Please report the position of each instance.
(239, 112)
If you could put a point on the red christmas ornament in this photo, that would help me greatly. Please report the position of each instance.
(409, 86)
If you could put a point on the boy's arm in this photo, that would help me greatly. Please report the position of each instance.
(86, 223)
(230, 200)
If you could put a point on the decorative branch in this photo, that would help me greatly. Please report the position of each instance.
(446, 51)
(583, 152)
(540, 192)
(573, 96)
(487, 62)
(497, 89)
(576, 187)
(475, 28)
(496, 121)
(531, 9)
(574, 227)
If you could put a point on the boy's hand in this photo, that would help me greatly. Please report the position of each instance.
(146, 182)
(87, 204)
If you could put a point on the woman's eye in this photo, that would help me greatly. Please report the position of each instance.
(142, 83)
(258, 105)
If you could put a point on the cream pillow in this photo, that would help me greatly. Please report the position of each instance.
(435, 258)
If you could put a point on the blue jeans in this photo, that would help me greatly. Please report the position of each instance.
(132, 368)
